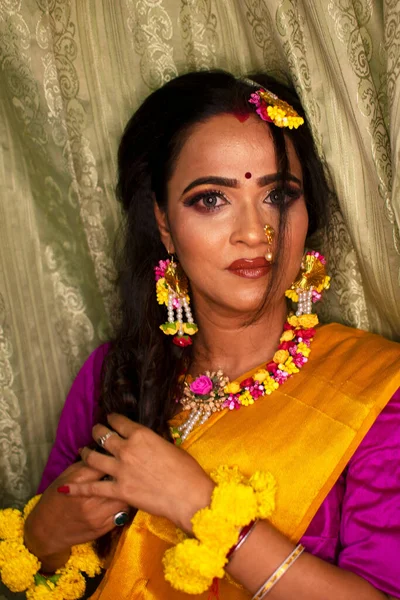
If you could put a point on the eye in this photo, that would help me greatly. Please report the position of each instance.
(207, 201)
(280, 196)
(211, 200)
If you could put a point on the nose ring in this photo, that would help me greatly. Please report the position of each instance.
(269, 234)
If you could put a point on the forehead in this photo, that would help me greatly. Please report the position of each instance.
(225, 146)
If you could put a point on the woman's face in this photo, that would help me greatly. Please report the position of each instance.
(223, 191)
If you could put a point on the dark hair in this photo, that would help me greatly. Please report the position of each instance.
(141, 369)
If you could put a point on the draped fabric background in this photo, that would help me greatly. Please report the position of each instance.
(71, 74)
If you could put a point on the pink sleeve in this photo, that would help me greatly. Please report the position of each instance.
(370, 523)
(77, 418)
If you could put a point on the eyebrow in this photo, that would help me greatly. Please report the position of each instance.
(233, 183)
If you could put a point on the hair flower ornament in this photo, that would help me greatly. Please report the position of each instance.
(274, 110)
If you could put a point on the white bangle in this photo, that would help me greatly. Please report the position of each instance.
(277, 574)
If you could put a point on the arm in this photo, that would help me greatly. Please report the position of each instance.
(56, 524)
(186, 488)
(370, 522)
(77, 418)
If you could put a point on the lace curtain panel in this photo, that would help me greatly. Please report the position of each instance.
(71, 74)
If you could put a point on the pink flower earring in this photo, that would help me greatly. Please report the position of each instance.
(172, 289)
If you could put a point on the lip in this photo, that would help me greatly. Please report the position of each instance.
(250, 268)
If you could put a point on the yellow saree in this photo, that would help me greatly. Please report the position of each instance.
(304, 433)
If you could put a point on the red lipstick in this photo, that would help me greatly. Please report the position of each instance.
(250, 268)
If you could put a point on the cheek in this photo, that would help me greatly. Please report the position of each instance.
(198, 239)
(297, 233)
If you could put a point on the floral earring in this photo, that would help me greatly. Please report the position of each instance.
(310, 283)
(172, 290)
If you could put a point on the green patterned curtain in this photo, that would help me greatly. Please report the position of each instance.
(71, 74)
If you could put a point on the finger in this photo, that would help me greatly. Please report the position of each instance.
(100, 462)
(124, 426)
(81, 472)
(99, 489)
(107, 439)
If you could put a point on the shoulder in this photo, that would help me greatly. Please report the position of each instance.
(381, 445)
(89, 375)
(343, 334)
(370, 519)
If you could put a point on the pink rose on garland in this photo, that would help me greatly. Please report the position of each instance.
(201, 386)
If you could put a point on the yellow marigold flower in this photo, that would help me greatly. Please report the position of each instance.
(262, 480)
(292, 295)
(31, 505)
(280, 356)
(303, 349)
(261, 375)
(84, 558)
(293, 321)
(17, 574)
(44, 592)
(287, 335)
(162, 291)
(264, 484)
(232, 388)
(11, 524)
(308, 321)
(71, 584)
(236, 503)
(3, 553)
(266, 503)
(289, 366)
(210, 529)
(190, 566)
(270, 385)
(246, 398)
(227, 474)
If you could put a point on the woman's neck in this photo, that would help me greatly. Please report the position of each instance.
(222, 341)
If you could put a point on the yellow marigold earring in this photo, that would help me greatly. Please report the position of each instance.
(311, 281)
(172, 290)
(269, 234)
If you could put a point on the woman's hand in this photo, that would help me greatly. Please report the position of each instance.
(58, 522)
(147, 472)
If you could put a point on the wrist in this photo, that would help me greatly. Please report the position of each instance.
(51, 555)
(236, 501)
(200, 499)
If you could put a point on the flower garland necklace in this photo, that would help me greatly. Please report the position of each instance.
(213, 392)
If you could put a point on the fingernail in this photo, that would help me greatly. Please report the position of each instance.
(63, 489)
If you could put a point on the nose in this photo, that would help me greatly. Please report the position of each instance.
(248, 227)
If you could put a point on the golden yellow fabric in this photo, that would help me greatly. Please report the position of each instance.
(304, 433)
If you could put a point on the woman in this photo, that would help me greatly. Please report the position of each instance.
(208, 178)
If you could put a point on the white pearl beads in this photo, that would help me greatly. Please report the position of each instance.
(304, 306)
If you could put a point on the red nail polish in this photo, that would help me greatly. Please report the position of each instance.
(63, 489)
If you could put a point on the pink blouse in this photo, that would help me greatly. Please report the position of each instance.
(357, 526)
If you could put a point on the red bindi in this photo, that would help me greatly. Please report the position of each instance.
(247, 175)
(242, 117)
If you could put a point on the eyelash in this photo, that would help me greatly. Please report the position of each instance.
(291, 193)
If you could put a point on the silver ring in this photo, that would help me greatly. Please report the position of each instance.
(121, 518)
(103, 438)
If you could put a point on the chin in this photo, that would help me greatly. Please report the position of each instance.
(244, 304)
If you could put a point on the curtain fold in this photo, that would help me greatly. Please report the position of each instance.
(71, 74)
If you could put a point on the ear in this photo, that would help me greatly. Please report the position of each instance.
(163, 228)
